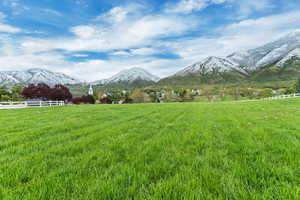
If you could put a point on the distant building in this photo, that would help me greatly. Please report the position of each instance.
(91, 91)
(196, 92)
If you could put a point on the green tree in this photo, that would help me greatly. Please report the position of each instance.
(235, 93)
(181, 93)
(289, 91)
(249, 93)
(137, 96)
(209, 94)
(189, 96)
(222, 94)
(171, 96)
(298, 86)
(5, 98)
(152, 94)
(4, 90)
(16, 92)
(267, 92)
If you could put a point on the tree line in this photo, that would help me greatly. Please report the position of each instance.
(42, 91)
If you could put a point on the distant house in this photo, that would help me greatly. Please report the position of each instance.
(106, 95)
(196, 92)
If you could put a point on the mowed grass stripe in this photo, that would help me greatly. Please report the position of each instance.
(83, 142)
(166, 151)
(60, 136)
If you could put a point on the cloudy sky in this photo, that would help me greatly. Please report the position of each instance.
(94, 39)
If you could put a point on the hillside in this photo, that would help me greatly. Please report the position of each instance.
(236, 150)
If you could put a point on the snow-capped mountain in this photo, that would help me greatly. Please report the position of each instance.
(276, 53)
(129, 76)
(34, 76)
(207, 65)
(293, 54)
(269, 54)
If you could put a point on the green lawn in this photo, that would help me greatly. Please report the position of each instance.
(242, 150)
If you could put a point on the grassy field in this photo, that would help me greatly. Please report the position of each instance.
(242, 150)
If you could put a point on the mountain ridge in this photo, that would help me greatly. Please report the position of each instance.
(275, 56)
(129, 76)
(34, 76)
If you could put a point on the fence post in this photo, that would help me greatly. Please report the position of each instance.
(40, 103)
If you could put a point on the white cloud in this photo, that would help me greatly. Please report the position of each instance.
(239, 36)
(188, 6)
(81, 55)
(9, 29)
(133, 32)
(247, 7)
(121, 53)
(145, 51)
(115, 15)
(5, 28)
(86, 31)
(280, 21)
(101, 69)
(243, 8)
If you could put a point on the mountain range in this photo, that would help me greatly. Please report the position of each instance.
(34, 76)
(278, 60)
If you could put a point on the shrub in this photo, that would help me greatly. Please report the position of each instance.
(106, 100)
(77, 100)
(59, 92)
(43, 91)
(289, 91)
(128, 101)
(88, 99)
(267, 92)
(5, 98)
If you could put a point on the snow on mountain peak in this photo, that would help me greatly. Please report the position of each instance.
(133, 74)
(293, 54)
(35, 75)
(269, 53)
(208, 64)
(129, 76)
(295, 33)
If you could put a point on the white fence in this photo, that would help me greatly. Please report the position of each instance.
(283, 96)
(28, 104)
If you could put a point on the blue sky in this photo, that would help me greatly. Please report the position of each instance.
(94, 39)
